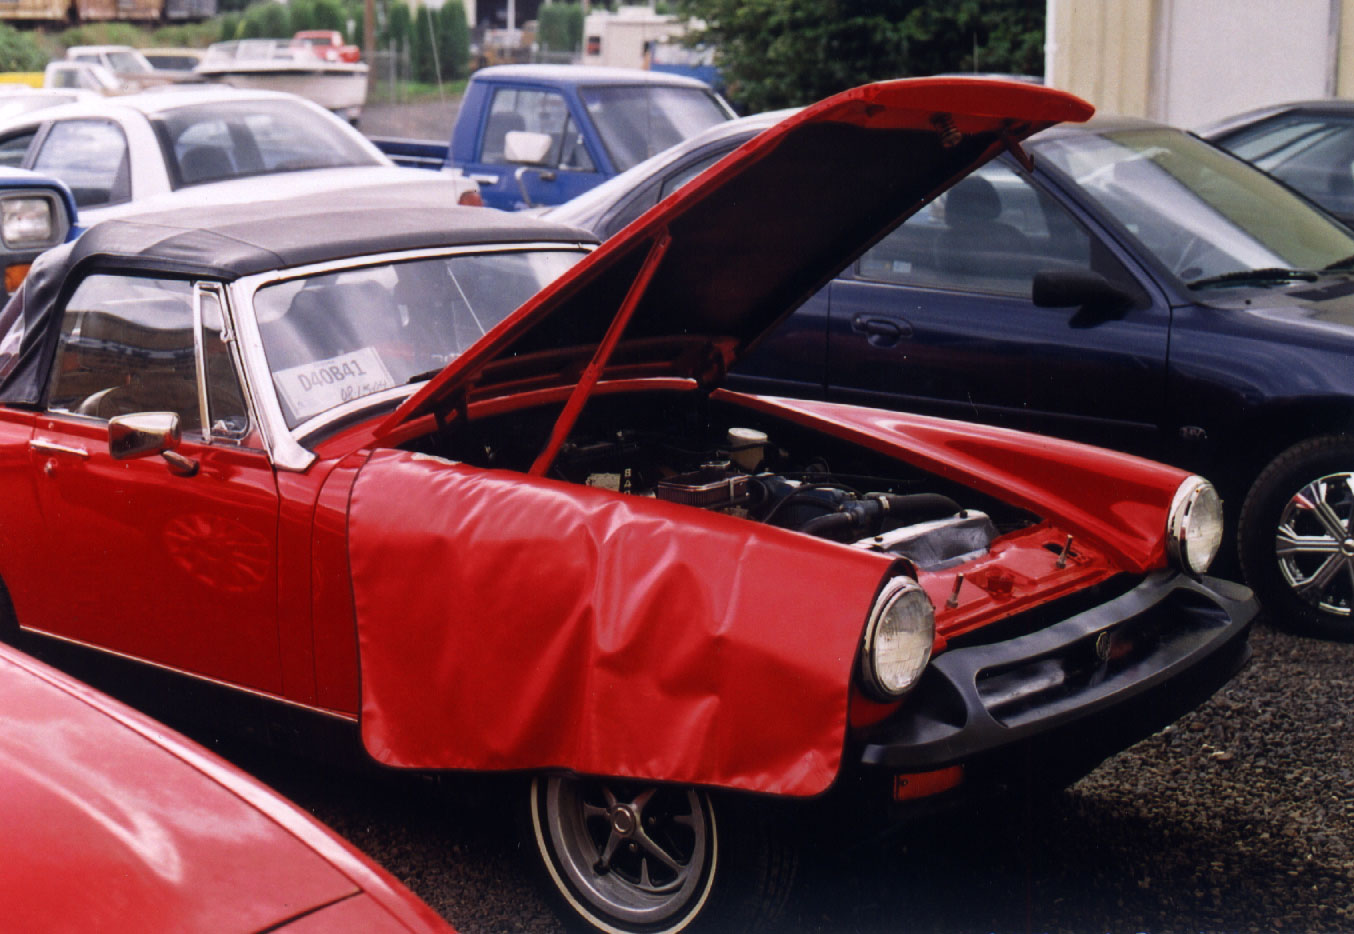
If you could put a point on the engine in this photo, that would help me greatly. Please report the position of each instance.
(749, 476)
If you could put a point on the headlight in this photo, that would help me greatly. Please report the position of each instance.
(28, 222)
(1194, 529)
(898, 640)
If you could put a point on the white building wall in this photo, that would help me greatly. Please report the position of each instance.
(1188, 62)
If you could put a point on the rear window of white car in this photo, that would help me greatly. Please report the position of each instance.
(219, 140)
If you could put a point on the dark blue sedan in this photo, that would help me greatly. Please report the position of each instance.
(1131, 286)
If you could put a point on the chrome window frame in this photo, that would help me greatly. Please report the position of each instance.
(287, 446)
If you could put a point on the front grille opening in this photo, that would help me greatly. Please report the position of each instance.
(1021, 691)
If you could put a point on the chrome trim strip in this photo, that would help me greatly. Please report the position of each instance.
(200, 360)
(263, 695)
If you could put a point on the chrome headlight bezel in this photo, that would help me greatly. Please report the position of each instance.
(31, 220)
(902, 611)
(1194, 528)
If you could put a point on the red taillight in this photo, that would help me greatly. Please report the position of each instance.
(471, 199)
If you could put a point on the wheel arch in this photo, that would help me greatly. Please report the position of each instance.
(1263, 434)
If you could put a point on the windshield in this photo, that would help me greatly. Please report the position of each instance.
(219, 140)
(1209, 218)
(637, 121)
(339, 336)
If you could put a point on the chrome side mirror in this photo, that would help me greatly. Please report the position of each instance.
(143, 434)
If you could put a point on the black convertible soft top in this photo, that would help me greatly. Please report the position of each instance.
(234, 240)
(227, 242)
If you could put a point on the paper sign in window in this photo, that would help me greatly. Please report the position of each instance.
(319, 386)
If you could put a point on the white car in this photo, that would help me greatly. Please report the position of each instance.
(129, 153)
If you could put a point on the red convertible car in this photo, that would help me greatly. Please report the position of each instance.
(111, 822)
(312, 453)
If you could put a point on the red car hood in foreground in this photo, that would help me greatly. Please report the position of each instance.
(111, 822)
(711, 269)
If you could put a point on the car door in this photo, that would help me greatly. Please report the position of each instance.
(172, 562)
(569, 167)
(938, 318)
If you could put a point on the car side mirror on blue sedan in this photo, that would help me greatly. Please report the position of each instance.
(1084, 289)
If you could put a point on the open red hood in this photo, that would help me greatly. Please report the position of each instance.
(686, 289)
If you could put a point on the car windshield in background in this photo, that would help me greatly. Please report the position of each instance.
(1209, 218)
(218, 140)
(638, 121)
(334, 337)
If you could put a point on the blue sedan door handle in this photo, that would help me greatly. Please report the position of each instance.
(881, 332)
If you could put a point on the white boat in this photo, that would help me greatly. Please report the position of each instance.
(276, 65)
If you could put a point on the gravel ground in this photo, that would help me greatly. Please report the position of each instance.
(1238, 818)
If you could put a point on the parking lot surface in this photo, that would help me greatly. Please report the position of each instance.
(1240, 817)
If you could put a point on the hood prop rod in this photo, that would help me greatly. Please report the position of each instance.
(593, 372)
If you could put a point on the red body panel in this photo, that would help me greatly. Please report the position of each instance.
(206, 547)
(509, 622)
(112, 822)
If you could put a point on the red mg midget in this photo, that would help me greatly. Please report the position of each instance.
(321, 456)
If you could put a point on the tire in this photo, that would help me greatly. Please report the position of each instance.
(1296, 537)
(630, 857)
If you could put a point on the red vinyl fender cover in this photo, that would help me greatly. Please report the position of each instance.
(511, 622)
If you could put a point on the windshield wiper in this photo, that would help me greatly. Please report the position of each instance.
(1268, 274)
(1346, 263)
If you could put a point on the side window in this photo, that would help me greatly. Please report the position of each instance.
(126, 346)
(90, 156)
(1315, 157)
(517, 109)
(991, 232)
(651, 195)
(14, 149)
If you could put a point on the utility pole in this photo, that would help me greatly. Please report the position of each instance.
(368, 31)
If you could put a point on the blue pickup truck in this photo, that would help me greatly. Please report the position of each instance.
(541, 134)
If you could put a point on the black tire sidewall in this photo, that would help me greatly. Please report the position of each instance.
(1275, 486)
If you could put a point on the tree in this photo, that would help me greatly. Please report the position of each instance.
(266, 20)
(560, 27)
(447, 28)
(18, 51)
(783, 53)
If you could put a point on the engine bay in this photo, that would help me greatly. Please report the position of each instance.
(726, 459)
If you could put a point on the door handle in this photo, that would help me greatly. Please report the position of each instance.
(881, 332)
(51, 447)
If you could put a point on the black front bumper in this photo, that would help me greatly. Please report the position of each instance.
(1069, 695)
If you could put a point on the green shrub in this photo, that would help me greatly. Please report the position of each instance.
(560, 27)
(18, 51)
(266, 20)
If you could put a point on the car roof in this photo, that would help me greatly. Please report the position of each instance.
(230, 241)
(1246, 118)
(148, 103)
(1098, 125)
(587, 74)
